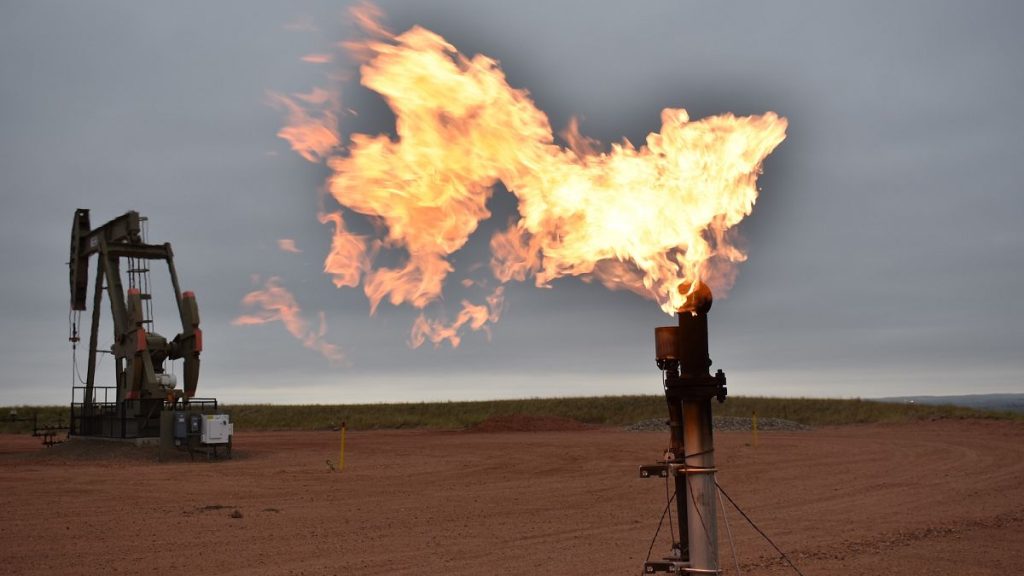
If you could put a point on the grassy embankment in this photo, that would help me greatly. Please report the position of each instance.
(606, 411)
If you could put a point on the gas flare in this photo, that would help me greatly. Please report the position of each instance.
(654, 219)
(275, 303)
(313, 134)
(317, 58)
(472, 315)
(288, 245)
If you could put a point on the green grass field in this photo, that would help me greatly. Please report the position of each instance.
(604, 410)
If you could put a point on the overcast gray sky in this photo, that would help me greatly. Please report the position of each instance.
(886, 256)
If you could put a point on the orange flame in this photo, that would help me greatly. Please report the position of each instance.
(472, 315)
(276, 303)
(288, 245)
(310, 134)
(317, 58)
(347, 260)
(653, 219)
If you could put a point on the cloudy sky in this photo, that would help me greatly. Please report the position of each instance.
(885, 252)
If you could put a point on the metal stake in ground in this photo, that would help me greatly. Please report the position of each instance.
(682, 355)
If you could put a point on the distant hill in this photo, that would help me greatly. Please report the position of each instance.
(1008, 402)
(615, 411)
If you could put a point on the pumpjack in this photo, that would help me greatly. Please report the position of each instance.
(144, 390)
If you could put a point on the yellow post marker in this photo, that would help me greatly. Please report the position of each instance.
(753, 426)
(341, 456)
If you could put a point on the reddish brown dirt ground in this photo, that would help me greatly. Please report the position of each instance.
(928, 498)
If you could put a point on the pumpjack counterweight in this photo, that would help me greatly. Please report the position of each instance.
(689, 462)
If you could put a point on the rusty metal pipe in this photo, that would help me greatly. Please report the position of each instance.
(682, 355)
(700, 488)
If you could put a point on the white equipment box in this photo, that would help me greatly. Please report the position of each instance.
(217, 429)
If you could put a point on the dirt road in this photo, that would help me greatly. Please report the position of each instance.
(942, 497)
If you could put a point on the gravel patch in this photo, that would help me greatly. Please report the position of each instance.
(728, 423)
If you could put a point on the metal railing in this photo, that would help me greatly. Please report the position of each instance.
(103, 416)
